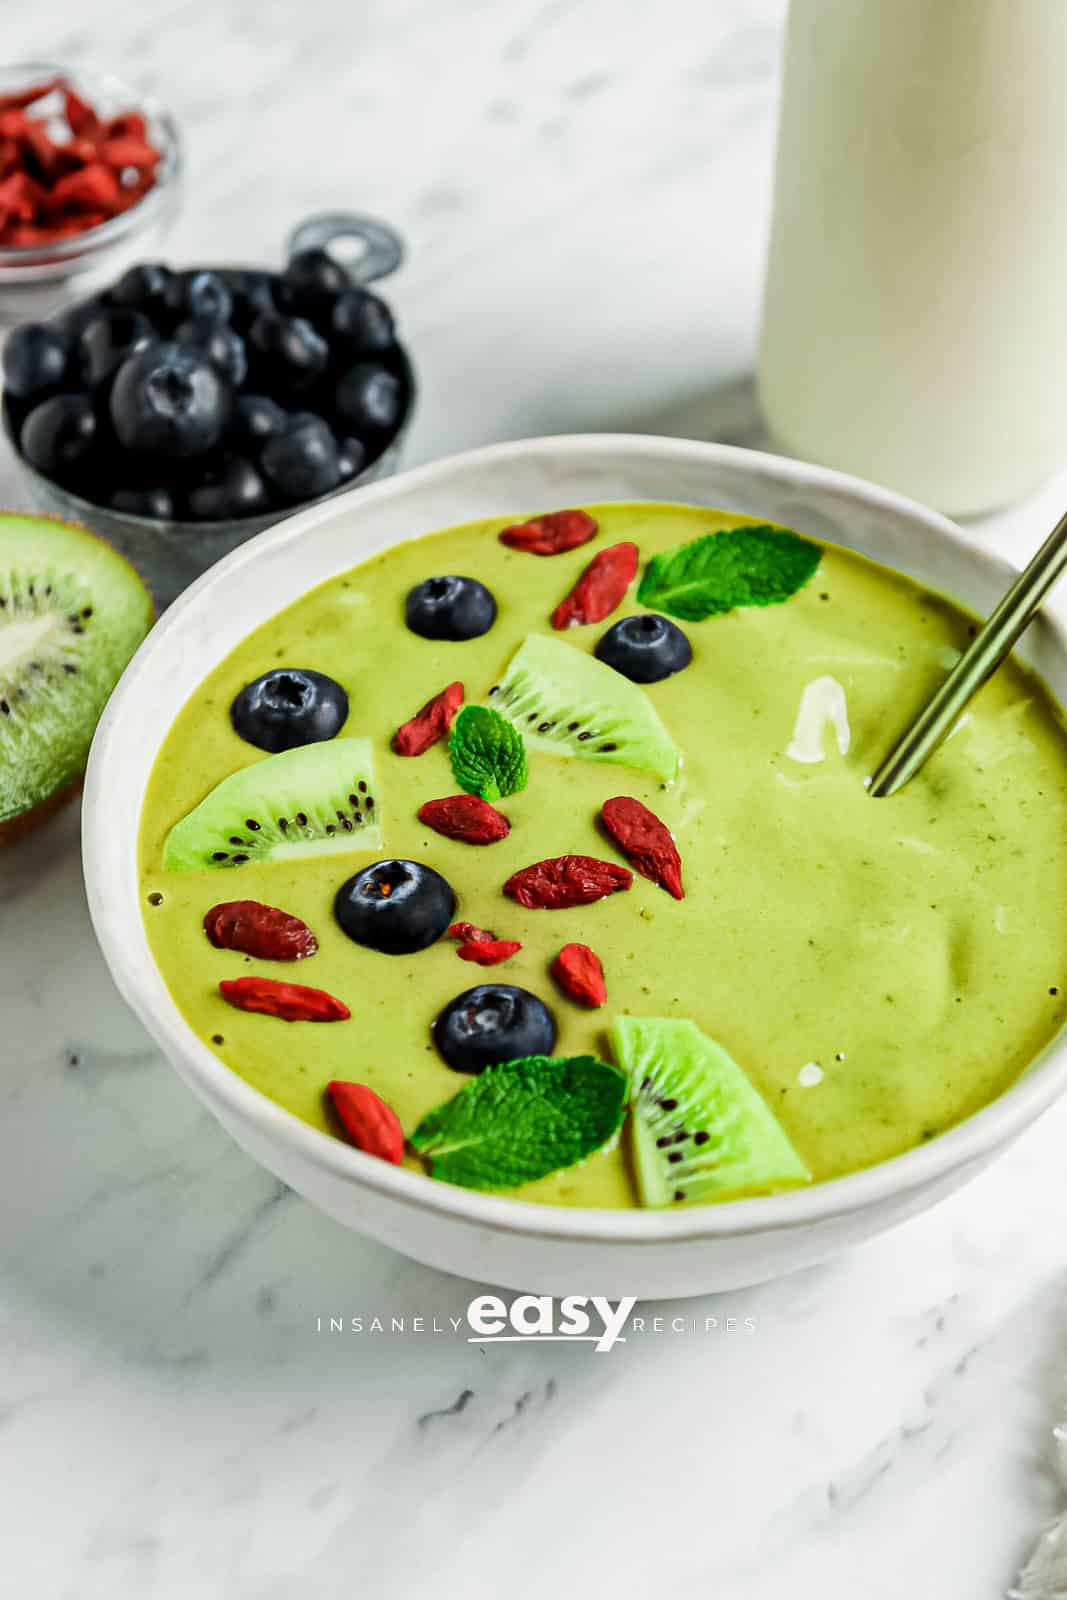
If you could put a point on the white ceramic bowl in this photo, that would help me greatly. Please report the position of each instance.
(487, 1237)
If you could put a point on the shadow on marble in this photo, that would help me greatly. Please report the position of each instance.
(728, 413)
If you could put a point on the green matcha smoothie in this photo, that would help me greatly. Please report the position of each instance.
(880, 969)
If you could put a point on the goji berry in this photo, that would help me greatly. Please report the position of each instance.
(20, 198)
(489, 952)
(370, 1124)
(291, 1001)
(600, 588)
(551, 534)
(125, 151)
(13, 123)
(40, 153)
(578, 972)
(81, 118)
(645, 841)
(68, 184)
(465, 817)
(429, 724)
(94, 186)
(128, 124)
(467, 933)
(259, 930)
(564, 881)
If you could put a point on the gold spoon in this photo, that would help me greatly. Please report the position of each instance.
(993, 642)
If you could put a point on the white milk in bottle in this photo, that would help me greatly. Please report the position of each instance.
(915, 318)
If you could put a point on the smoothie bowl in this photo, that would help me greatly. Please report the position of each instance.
(512, 890)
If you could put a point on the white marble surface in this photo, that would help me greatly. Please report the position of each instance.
(584, 184)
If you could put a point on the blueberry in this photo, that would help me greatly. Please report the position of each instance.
(258, 419)
(361, 323)
(143, 288)
(157, 503)
(219, 343)
(230, 489)
(645, 648)
(35, 360)
(369, 399)
(395, 906)
(208, 298)
(312, 277)
(69, 323)
(302, 462)
(170, 401)
(450, 608)
(287, 351)
(252, 293)
(106, 342)
(491, 1023)
(288, 707)
(351, 455)
(58, 436)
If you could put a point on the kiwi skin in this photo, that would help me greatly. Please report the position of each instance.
(16, 827)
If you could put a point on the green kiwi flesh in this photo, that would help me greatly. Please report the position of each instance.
(568, 703)
(700, 1129)
(303, 802)
(72, 612)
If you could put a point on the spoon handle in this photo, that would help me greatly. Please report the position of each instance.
(994, 641)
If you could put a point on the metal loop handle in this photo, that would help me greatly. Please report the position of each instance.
(382, 252)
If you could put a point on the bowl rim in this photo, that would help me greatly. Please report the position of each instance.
(235, 1101)
(63, 253)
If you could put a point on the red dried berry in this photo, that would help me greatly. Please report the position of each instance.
(13, 123)
(94, 186)
(259, 930)
(600, 588)
(81, 118)
(551, 534)
(489, 952)
(645, 841)
(370, 1124)
(578, 972)
(20, 198)
(67, 184)
(429, 724)
(127, 125)
(465, 817)
(467, 933)
(566, 881)
(293, 1002)
(126, 151)
(41, 154)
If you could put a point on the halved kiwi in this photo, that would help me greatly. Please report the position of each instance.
(306, 801)
(72, 613)
(571, 704)
(700, 1128)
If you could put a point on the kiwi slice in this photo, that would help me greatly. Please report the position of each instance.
(570, 704)
(72, 613)
(700, 1129)
(303, 802)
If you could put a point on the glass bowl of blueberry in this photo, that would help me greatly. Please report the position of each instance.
(179, 412)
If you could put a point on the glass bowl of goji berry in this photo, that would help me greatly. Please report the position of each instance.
(90, 172)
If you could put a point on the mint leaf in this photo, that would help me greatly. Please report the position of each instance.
(738, 567)
(487, 753)
(523, 1119)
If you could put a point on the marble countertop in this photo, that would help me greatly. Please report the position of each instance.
(585, 188)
